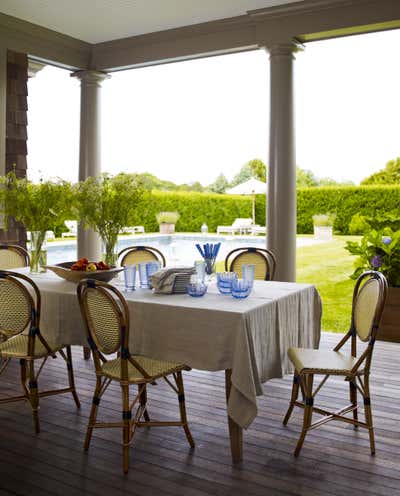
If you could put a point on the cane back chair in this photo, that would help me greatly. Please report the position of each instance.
(106, 317)
(19, 312)
(368, 301)
(13, 257)
(137, 254)
(264, 261)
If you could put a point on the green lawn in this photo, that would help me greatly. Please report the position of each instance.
(328, 266)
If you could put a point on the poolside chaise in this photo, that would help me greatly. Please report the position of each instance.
(242, 226)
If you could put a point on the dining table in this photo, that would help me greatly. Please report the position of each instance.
(247, 338)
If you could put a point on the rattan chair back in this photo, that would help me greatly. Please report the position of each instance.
(136, 254)
(13, 257)
(264, 261)
(368, 301)
(105, 314)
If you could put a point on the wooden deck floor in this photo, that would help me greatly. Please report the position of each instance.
(335, 459)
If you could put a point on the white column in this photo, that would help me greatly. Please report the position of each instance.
(281, 201)
(89, 150)
(3, 103)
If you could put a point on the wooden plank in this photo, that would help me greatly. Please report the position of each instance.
(335, 459)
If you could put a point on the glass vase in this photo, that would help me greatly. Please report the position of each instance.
(110, 251)
(210, 269)
(38, 252)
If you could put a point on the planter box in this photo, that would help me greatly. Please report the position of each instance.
(389, 329)
(323, 233)
(167, 228)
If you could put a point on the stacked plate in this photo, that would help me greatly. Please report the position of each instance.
(180, 283)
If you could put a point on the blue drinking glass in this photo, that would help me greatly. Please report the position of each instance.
(224, 281)
(248, 271)
(130, 277)
(240, 289)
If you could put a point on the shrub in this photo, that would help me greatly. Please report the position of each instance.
(194, 208)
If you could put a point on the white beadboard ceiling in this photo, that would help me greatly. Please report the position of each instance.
(95, 21)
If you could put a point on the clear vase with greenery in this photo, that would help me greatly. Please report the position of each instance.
(108, 204)
(40, 207)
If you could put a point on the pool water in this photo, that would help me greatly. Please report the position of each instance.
(178, 248)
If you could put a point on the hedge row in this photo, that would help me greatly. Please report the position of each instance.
(194, 209)
(215, 210)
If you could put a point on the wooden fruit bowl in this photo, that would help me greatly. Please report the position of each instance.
(63, 270)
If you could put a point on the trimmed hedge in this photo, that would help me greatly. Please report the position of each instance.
(194, 209)
(345, 202)
(215, 210)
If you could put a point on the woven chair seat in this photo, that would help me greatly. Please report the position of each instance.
(17, 347)
(321, 361)
(155, 368)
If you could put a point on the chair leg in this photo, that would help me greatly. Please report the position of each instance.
(34, 396)
(71, 378)
(93, 413)
(143, 402)
(182, 408)
(368, 414)
(295, 394)
(126, 430)
(86, 353)
(308, 385)
(23, 376)
(353, 400)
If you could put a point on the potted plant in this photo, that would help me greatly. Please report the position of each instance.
(380, 250)
(108, 204)
(167, 221)
(323, 226)
(40, 207)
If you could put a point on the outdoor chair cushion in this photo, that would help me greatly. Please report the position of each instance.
(17, 347)
(321, 361)
(155, 368)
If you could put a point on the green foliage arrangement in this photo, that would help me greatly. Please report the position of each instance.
(167, 217)
(40, 207)
(378, 250)
(109, 203)
(324, 220)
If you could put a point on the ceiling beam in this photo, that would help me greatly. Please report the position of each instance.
(44, 44)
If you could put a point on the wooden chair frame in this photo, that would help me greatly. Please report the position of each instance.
(130, 420)
(29, 377)
(157, 254)
(19, 250)
(358, 378)
(269, 256)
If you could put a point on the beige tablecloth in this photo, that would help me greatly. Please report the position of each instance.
(215, 332)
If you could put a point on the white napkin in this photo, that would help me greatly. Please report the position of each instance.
(163, 281)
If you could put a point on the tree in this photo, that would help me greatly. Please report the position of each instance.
(219, 185)
(253, 168)
(389, 175)
(305, 178)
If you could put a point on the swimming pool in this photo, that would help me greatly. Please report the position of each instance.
(178, 248)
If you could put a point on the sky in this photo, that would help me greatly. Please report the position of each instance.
(190, 121)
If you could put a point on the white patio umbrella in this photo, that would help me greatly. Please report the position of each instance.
(251, 187)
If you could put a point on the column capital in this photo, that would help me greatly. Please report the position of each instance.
(285, 49)
(34, 67)
(91, 77)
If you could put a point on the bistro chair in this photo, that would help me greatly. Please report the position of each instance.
(368, 302)
(136, 254)
(19, 312)
(263, 259)
(13, 257)
(106, 317)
